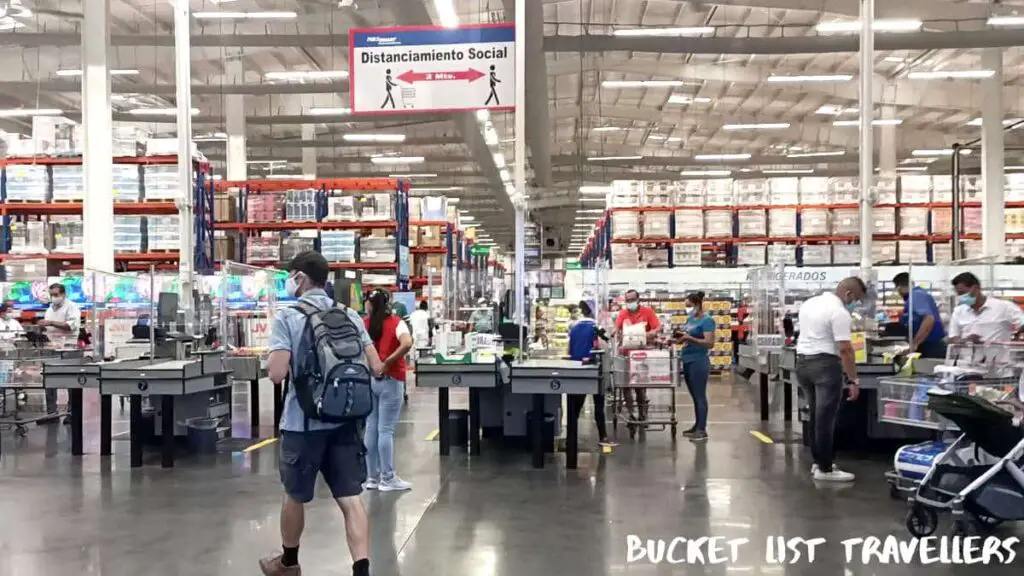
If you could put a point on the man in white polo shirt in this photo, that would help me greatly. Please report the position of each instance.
(62, 321)
(824, 354)
(980, 319)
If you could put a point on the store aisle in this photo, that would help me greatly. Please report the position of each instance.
(489, 516)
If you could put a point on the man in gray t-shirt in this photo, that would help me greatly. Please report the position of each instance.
(309, 447)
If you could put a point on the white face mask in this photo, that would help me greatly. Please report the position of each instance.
(690, 310)
(291, 286)
(57, 301)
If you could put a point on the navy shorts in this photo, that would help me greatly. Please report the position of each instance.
(338, 455)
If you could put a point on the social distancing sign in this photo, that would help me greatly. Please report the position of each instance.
(432, 69)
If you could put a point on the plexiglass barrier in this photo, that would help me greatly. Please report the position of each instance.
(247, 298)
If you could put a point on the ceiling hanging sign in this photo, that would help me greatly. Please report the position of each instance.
(431, 69)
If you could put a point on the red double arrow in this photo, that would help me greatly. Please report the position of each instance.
(411, 77)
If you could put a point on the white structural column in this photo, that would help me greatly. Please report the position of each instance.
(308, 152)
(235, 122)
(97, 158)
(867, 142)
(887, 145)
(993, 202)
(520, 168)
(183, 84)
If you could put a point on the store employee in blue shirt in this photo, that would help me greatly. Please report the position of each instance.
(582, 340)
(697, 337)
(925, 328)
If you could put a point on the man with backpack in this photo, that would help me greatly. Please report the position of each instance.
(327, 355)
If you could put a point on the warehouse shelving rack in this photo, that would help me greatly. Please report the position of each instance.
(400, 224)
(124, 261)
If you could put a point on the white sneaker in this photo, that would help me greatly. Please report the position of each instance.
(394, 484)
(371, 484)
(836, 475)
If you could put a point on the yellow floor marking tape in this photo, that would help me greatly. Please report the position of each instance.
(762, 437)
(261, 444)
(433, 435)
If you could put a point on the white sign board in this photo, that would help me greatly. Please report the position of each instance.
(432, 69)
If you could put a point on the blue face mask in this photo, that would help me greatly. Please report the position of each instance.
(967, 300)
(853, 306)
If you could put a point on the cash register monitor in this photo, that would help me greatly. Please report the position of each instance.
(167, 309)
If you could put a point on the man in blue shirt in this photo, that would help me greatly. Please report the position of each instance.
(309, 447)
(582, 340)
(925, 326)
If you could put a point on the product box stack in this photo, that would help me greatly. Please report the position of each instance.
(67, 234)
(126, 182)
(429, 265)
(970, 188)
(971, 223)
(300, 205)
(689, 223)
(882, 252)
(815, 222)
(752, 223)
(942, 190)
(1015, 249)
(27, 183)
(784, 192)
(782, 222)
(161, 182)
(128, 233)
(1014, 186)
(224, 247)
(265, 248)
(657, 224)
(846, 222)
(338, 245)
(376, 249)
(342, 209)
(225, 208)
(942, 220)
(782, 254)
(942, 253)
(626, 194)
(913, 251)
(844, 190)
(686, 254)
(68, 183)
(751, 254)
(295, 244)
(433, 208)
(430, 236)
(885, 220)
(846, 253)
(718, 224)
(914, 221)
(377, 207)
(1014, 221)
(719, 192)
(689, 193)
(817, 255)
(885, 191)
(163, 233)
(654, 257)
(751, 192)
(972, 249)
(626, 224)
(29, 238)
(916, 189)
(659, 193)
(264, 207)
(625, 256)
(815, 191)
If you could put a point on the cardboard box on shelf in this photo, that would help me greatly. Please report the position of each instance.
(626, 225)
(782, 222)
(885, 220)
(846, 254)
(689, 224)
(815, 222)
(942, 253)
(752, 223)
(844, 190)
(224, 248)
(846, 221)
(972, 220)
(430, 236)
(883, 252)
(814, 190)
(916, 189)
(657, 224)
(225, 208)
(686, 254)
(1014, 220)
(689, 193)
(913, 252)
(751, 192)
(915, 220)
(782, 254)
(751, 255)
(784, 191)
(818, 255)
(718, 224)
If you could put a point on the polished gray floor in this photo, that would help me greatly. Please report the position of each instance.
(487, 516)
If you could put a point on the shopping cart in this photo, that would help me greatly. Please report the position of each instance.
(22, 397)
(991, 371)
(643, 390)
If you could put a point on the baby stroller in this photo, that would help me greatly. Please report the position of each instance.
(979, 478)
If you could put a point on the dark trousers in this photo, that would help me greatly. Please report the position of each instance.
(51, 400)
(932, 349)
(695, 373)
(821, 379)
(576, 408)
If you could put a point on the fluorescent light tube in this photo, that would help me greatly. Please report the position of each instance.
(284, 177)
(397, 159)
(708, 157)
(938, 152)
(951, 74)
(483, 115)
(596, 189)
(911, 168)
(592, 199)
(388, 138)
(1006, 121)
(687, 99)
(879, 25)
(708, 173)
(812, 78)
(758, 126)
(611, 158)
(642, 83)
(158, 111)
(299, 75)
(23, 112)
(589, 211)
(795, 171)
(466, 217)
(816, 154)
(446, 13)
(505, 176)
(1006, 21)
(267, 162)
(490, 136)
(423, 175)
(878, 122)
(684, 31)
(499, 160)
(115, 72)
(510, 190)
(606, 129)
(261, 15)
(315, 111)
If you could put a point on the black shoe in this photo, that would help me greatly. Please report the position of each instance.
(699, 436)
(689, 432)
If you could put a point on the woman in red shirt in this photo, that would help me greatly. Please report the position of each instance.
(393, 341)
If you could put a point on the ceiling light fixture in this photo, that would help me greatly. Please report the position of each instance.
(951, 74)
(115, 72)
(261, 15)
(793, 171)
(612, 158)
(757, 126)
(505, 176)
(1006, 21)
(712, 157)
(911, 168)
(879, 25)
(499, 160)
(301, 75)
(811, 78)
(596, 189)
(483, 115)
(388, 138)
(267, 162)
(510, 190)
(446, 13)
(642, 83)
(939, 152)
(706, 173)
(24, 112)
(683, 31)
(816, 154)
(214, 137)
(1006, 121)
(607, 129)
(158, 111)
(315, 111)
(687, 99)
(397, 159)
(879, 122)
(594, 199)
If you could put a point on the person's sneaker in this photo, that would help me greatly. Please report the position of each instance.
(689, 432)
(394, 484)
(273, 567)
(699, 436)
(371, 484)
(836, 475)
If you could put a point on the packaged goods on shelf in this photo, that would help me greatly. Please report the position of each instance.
(377, 207)
(69, 183)
(626, 194)
(1014, 220)
(126, 182)
(27, 182)
(815, 222)
(300, 205)
(846, 254)
(378, 279)
(650, 366)
(129, 141)
(942, 253)
(430, 236)
(338, 245)
(844, 190)
(882, 252)
(751, 192)
(128, 233)
(654, 257)
(163, 233)
(782, 254)
(225, 208)
(916, 189)
(751, 254)
(376, 249)
(429, 265)
(846, 221)
(970, 188)
(657, 224)
(264, 248)
(690, 193)
(625, 256)
(415, 209)
(913, 252)
(885, 220)
(342, 209)
(718, 192)
(914, 221)
(29, 238)
(814, 190)
(1015, 249)
(658, 193)
(972, 220)
(686, 254)
(784, 191)
(433, 208)
(28, 269)
(625, 225)
(752, 223)
(56, 135)
(782, 222)
(885, 191)
(67, 234)
(817, 255)
(161, 182)
(718, 224)
(293, 245)
(689, 224)
(942, 189)
(1014, 186)
(224, 248)
(972, 249)
(264, 207)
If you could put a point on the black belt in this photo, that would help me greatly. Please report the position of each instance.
(812, 356)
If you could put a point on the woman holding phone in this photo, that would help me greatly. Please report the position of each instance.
(697, 338)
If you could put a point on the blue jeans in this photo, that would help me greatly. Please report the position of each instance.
(695, 372)
(380, 428)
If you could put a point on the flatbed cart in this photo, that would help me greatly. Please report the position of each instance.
(641, 374)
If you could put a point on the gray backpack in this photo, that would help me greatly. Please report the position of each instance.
(332, 382)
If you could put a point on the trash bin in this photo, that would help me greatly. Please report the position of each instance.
(547, 431)
(458, 428)
(202, 434)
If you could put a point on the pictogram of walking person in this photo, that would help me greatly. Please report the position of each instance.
(388, 85)
(494, 85)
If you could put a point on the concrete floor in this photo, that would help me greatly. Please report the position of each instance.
(487, 516)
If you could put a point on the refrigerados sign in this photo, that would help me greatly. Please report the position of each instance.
(819, 277)
(803, 276)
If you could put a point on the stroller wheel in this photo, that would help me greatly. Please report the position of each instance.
(922, 521)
